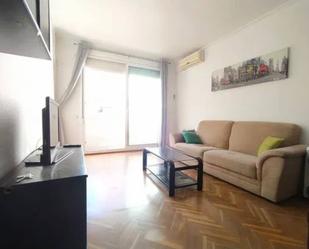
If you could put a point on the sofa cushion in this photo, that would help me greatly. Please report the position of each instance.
(196, 150)
(215, 133)
(246, 137)
(249, 184)
(240, 163)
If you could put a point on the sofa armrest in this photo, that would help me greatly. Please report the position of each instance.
(284, 152)
(175, 138)
(279, 171)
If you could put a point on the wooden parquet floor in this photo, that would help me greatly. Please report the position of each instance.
(128, 210)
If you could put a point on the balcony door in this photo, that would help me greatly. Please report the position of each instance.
(122, 106)
(144, 106)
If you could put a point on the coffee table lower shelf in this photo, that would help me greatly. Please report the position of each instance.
(161, 172)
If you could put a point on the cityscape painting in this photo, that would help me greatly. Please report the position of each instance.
(269, 67)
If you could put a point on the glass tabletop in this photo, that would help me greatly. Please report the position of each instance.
(169, 154)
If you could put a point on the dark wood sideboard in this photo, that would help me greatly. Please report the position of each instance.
(48, 211)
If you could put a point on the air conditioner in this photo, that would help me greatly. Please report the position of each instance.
(191, 60)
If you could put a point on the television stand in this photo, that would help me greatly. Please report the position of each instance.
(48, 211)
(35, 158)
(62, 154)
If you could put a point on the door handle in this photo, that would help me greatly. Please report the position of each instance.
(100, 109)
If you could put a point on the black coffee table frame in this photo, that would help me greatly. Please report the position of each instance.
(170, 175)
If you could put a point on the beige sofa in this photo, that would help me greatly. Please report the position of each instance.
(229, 152)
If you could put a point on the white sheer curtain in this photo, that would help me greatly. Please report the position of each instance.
(81, 58)
(164, 72)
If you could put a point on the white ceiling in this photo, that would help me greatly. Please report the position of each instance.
(155, 28)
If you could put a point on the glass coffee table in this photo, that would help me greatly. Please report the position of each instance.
(170, 172)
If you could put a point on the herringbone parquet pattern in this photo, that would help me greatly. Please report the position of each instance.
(126, 209)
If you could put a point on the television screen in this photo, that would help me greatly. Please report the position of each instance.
(53, 122)
(50, 131)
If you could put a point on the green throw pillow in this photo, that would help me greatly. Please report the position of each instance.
(191, 137)
(270, 143)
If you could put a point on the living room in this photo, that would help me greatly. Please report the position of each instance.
(154, 124)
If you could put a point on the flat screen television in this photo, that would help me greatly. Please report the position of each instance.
(50, 135)
(50, 129)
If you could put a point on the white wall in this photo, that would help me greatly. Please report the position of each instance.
(24, 84)
(72, 113)
(283, 101)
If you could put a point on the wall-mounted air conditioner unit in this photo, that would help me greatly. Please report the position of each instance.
(191, 60)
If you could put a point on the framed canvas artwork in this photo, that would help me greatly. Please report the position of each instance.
(268, 67)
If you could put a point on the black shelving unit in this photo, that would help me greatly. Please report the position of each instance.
(20, 33)
(48, 211)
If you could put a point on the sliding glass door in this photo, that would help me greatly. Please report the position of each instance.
(145, 106)
(104, 105)
(122, 106)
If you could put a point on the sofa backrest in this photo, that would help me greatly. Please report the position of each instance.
(215, 133)
(247, 136)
